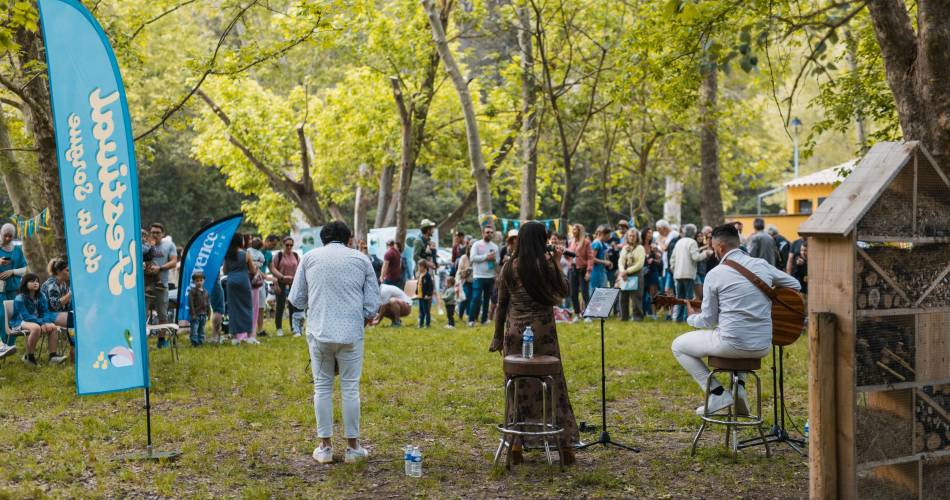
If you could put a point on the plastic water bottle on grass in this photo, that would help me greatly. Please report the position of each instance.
(416, 466)
(527, 343)
(407, 459)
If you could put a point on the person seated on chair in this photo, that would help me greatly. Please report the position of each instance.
(59, 298)
(394, 304)
(735, 320)
(31, 313)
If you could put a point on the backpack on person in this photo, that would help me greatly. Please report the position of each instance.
(277, 261)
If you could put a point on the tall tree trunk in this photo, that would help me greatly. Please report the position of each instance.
(479, 172)
(359, 209)
(413, 116)
(673, 206)
(406, 163)
(18, 192)
(450, 221)
(384, 196)
(917, 66)
(710, 196)
(529, 135)
(38, 106)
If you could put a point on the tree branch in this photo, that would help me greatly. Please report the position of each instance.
(204, 75)
(156, 19)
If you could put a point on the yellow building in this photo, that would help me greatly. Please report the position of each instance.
(802, 197)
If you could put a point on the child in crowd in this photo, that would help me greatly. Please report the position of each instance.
(31, 313)
(198, 308)
(424, 291)
(448, 299)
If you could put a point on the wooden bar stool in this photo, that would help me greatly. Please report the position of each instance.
(732, 419)
(541, 370)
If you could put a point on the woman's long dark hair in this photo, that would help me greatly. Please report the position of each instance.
(539, 274)
(237, 243)
(25, 282)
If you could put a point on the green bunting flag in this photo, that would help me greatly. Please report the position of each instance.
(27, 227)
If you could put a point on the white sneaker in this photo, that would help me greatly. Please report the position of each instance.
(297, 334)
(253, 341)
(57, 359)
(235, 341)
(323, 455)
(280, 332)
(716, 403)
(742, 405)
(357, 455)
(450, 327)
(6, 350)
(471, 324)
(587, 320)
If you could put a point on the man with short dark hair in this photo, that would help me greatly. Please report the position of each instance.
(485, 260)
(735, 320)
(761, 245)
(337, 287)
(391, 274)
(781, 244)
(164, 259)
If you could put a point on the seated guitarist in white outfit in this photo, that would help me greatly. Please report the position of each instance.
(735, 320)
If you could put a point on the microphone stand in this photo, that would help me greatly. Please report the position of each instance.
(778, 433)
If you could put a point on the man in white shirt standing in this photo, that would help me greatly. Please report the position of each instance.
(735, 320)
(683, 263)
(337, 287)
(485, 262)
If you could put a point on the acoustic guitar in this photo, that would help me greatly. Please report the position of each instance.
(788, 307)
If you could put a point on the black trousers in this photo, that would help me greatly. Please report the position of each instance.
(580, 287)
(282, 292)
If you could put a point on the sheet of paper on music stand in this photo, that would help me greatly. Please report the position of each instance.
(601, 303)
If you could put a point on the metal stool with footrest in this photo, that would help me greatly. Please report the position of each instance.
(539, 369)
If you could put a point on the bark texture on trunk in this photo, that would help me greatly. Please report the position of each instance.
(710, 196)
(917, 66)
(384, 196)
(529, 132)
(479, 172)
(672, 207)
(447, 224)
(36, 92)
(359, 209)
(15, 182)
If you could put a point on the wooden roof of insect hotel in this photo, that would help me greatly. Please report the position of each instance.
(894, 180)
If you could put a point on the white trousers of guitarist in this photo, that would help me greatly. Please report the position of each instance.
(690, 349)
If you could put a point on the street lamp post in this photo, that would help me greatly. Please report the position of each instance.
(796, 129)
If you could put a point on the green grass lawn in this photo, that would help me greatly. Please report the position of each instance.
(243, 419)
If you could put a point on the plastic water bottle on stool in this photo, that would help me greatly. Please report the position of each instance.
(416, 466)
(527, 343)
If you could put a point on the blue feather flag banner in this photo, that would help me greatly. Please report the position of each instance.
(98, 180)
(205, 253)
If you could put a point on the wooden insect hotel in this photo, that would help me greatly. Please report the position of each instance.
(879, 330)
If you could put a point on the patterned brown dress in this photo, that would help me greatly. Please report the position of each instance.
(516, 310)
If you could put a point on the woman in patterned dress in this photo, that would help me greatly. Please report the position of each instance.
(530, 285)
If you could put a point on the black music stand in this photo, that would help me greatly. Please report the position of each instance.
(778, 434)
(599, 306)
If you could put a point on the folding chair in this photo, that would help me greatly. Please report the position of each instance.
(11, 333)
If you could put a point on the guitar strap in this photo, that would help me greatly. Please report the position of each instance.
(749, 275)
